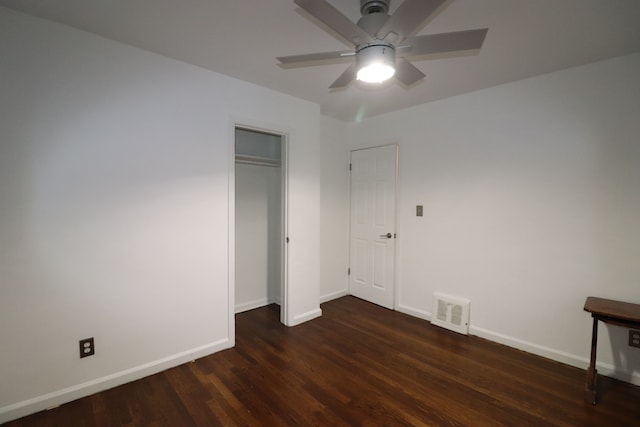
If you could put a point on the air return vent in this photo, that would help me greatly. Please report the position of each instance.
(451, 313)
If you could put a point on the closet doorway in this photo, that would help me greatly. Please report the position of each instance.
(260, 219)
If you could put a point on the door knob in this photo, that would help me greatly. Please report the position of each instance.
(387, 236)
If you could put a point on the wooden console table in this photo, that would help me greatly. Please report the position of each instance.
(608, 311)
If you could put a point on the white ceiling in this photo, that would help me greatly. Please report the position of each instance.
(241, 38)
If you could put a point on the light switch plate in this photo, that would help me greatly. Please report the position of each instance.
(419, 210)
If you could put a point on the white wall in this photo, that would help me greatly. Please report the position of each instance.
(334, 209)
(257, 275)
(115, 210)
(531, 203)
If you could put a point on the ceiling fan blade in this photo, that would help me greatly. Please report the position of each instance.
(443, 42)
(407, 73)
(345, 78)
(407, 18)
(309, 58)
(335, 20)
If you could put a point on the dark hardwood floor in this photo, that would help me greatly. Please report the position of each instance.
(357, 365)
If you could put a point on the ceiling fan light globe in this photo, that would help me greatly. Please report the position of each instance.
(375, 73)
(375, 63)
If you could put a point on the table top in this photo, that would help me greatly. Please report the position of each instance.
(613, 309)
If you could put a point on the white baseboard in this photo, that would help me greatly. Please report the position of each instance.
(298, 319)
(246, 306)
(557, 355)
(305, 317)
(333, 295)
(59, 397)
(414, 312)
(549, 353)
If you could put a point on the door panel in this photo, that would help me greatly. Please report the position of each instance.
(373, 198)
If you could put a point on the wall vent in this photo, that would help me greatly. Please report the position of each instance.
(451, 313)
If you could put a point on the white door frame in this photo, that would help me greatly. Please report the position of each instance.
(231, 220)
(395, 225)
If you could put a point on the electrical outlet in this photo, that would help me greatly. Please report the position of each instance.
(87, 347)
(418, 210)
(634, 338)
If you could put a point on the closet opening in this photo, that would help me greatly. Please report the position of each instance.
(260, 220)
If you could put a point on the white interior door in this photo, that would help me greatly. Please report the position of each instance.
(373, 219)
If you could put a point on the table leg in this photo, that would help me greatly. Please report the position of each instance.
(592, 373)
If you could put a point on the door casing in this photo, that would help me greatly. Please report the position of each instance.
(284, 294)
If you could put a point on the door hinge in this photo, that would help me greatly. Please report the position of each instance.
(349, 271)
(286, 239)
(350, 166)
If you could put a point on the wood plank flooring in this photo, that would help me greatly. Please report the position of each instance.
(358, 365)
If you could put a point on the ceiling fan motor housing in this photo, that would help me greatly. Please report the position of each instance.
(378, 52)
(371, 22)
(374, 6)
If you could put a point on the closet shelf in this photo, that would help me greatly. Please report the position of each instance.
(257, 160)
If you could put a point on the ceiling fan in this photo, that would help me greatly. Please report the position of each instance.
(381, 43)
